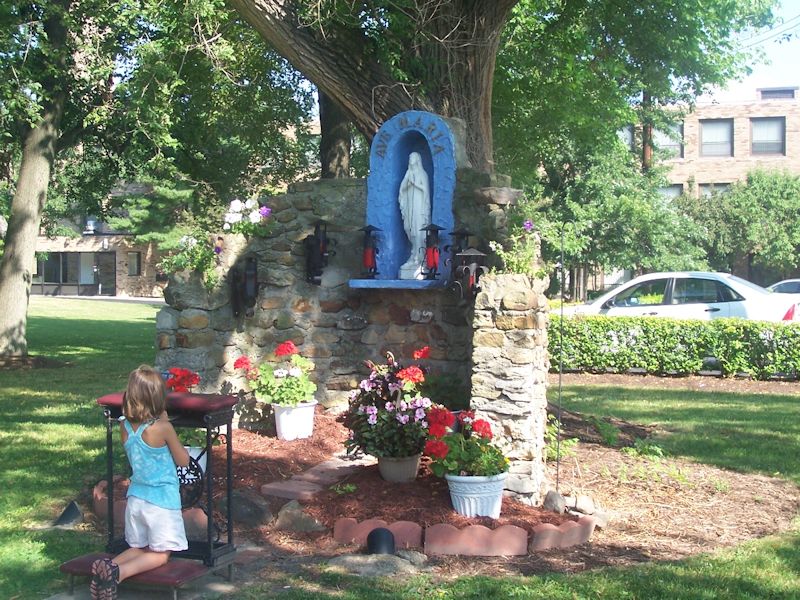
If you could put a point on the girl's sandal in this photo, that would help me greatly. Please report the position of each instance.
(105, 577)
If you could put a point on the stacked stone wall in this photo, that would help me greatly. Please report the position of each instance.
(509, 374)
(499, 344)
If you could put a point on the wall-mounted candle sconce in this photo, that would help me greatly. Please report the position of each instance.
(369, 252)
(244, 287)
(317, 250)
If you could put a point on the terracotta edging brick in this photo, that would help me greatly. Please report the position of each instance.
(476, 540)
(349, 531)
(473, 540)
(570, 533)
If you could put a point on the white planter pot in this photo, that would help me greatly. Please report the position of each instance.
(477, 495)
(294, 422)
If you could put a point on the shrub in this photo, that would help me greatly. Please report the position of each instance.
(659, 346)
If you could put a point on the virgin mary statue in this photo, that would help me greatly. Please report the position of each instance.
(415, 207)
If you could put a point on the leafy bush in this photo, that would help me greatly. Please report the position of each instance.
(600, 344)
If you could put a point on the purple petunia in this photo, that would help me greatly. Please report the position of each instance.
(528, 225)
(419, 414)
(265, 211)
(402, 418)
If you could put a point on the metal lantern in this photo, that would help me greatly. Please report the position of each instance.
(370, 252)
(432, 250)
(468, 272)
(460, 243)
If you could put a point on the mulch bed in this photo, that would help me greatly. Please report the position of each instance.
(662, 510)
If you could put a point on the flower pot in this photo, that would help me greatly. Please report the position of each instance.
(476, 495)
(294, 422)
(399, 470)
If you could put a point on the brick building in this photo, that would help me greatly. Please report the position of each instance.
(721, 143)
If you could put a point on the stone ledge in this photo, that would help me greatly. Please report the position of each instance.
(473, 540)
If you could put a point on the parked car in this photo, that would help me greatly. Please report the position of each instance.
(691, 295)
(787, 286)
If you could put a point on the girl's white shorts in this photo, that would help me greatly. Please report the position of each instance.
(150, 526)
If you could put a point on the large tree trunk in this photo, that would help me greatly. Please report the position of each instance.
(38, 155)
(457, 42)
(38, 158)
(334, 146)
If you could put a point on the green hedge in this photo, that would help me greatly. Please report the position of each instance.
(667, 346)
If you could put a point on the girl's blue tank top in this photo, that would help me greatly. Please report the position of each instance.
(154, 478)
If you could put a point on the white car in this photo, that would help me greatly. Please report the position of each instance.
(787, 286)
(691, 295)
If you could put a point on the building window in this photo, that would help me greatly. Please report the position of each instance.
(670, 141)
(769, 135)
(134, 264)
(717, 137)
(671, 191)
(777, 93)
(707, 189)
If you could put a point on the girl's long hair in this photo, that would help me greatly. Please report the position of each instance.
(146, 397)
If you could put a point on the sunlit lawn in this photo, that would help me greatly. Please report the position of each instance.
(52, 440)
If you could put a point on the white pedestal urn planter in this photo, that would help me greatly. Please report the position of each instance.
(294, 422)
(399, 469)
(477, 495)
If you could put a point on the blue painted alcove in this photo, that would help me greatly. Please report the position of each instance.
(407, 132)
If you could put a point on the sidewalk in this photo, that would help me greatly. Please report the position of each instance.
(132, 299)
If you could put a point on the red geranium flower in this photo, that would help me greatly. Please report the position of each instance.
(412, 374)
(436, 430)
(423, 352)
(482, 428)
(436, 448)
(287, 348)
(242, 362)
(441, 416)
(181, 380)
(465, 417)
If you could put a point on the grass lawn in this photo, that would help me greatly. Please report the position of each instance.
(52, 450)
(52, 440)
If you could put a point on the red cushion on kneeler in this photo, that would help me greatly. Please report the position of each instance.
(173, 574)
(181, 401)
(82, 565)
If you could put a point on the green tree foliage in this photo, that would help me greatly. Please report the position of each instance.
(92, 92)
(753, 221)
(569, 77)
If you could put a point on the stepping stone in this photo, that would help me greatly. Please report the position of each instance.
(329, 472)
(293, 489)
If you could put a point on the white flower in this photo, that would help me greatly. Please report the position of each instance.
(236, 206)
(233, 217)
(188, 241)
(255, 217)
(280, 373)
(226, 226)
(295, 372)
(250, 204)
